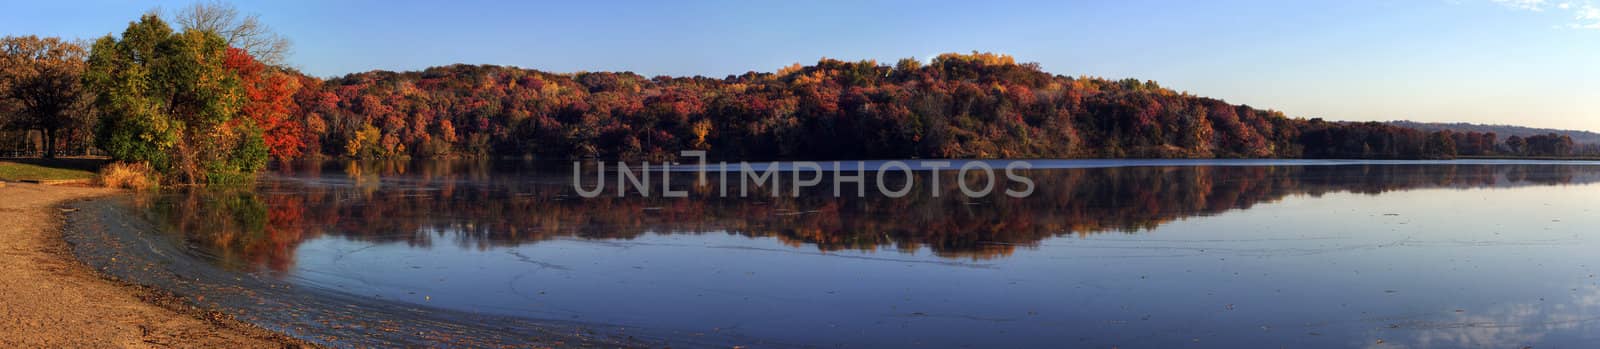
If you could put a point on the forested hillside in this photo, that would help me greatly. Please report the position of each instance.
(1519, 139)
(978, 105)
(1579, 137)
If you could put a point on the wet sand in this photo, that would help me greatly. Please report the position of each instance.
(48, 299)
(111, 236)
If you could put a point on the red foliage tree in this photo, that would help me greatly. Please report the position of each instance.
(269, 102)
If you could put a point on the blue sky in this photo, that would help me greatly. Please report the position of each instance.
(1526, 62)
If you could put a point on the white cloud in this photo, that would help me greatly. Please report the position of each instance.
(1585, 16)
(1531, 5)
(1504, 325)
(1588, 17)
(1588, 12)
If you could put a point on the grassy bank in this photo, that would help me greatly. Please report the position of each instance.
(22, 169)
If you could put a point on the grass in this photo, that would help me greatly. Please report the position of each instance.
(129, 176)
(47, 170)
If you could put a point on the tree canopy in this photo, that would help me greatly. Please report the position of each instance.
(167, 98)
(39, 86)
(978, 105)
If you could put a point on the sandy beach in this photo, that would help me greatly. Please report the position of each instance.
(48, 299)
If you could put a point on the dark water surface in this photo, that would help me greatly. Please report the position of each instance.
(1159, 254)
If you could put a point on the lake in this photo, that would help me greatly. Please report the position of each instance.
(1105, 253)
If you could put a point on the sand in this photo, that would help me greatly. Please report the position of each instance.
(49, 299)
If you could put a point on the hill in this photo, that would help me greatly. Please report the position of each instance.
(1504, 131)
(978, 105)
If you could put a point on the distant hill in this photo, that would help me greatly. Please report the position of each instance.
(969, 106)
(1502, 131)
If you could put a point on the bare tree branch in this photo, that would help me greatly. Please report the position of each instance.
(244, 32)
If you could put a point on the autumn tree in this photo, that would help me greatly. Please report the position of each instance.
(977, 105)
(1516, 145)
(167, 98)
(268, 100)
(40, 86)
(1440, 145)
(1551, 144)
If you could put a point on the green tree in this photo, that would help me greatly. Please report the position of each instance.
(1439, 145)
(166, 98)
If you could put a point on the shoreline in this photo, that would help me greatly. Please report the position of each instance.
(114, 241)
(59, 301)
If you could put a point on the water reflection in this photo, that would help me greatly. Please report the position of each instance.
(484, 204)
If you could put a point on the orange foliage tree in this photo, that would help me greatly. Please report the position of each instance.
(269, 102)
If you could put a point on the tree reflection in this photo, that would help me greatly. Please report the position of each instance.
(483, 204)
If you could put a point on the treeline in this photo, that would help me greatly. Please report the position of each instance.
(978, 105)
(1582, 138)
(1374, 140)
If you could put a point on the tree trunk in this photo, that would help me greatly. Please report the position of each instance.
(49, 143)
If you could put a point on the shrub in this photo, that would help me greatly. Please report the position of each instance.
(137, 176)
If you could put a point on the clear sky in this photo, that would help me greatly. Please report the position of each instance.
(1525, 62)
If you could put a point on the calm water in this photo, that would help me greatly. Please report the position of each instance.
(1205, 254)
